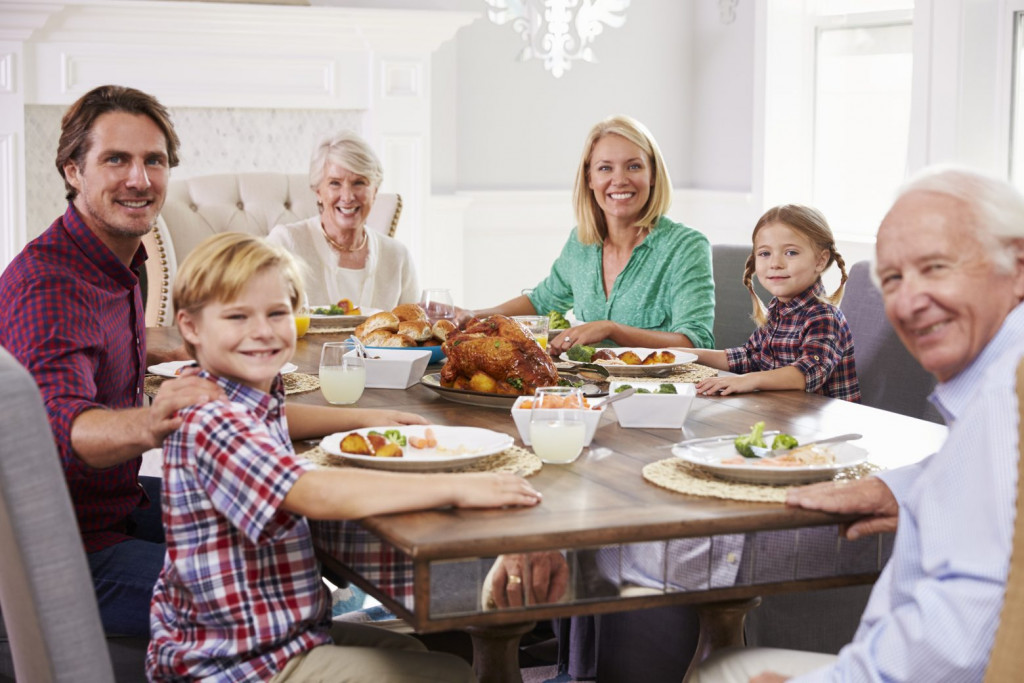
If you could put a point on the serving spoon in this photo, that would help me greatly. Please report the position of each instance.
(625, 393)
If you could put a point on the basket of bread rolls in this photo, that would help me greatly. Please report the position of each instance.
(405, 326)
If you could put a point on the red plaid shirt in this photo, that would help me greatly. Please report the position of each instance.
(72, 315)
(240, 592)
(811, 336)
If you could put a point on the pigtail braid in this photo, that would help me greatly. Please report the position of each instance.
(837, 296)
(759, 314)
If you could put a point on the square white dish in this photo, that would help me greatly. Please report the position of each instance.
(395, 368)
(521, 416)
(654, 411)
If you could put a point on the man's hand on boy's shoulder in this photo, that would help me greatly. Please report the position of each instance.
(175, 394)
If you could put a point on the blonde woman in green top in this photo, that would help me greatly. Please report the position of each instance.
(632, 276)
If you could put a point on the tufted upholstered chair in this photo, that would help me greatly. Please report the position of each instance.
(199, 207)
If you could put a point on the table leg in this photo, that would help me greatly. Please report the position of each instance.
(721, 625)
(496, 651)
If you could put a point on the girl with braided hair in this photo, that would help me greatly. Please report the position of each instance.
(802, 340)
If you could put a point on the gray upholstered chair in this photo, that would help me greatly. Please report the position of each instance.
(889, 376)
(733, 324)
(46, 593)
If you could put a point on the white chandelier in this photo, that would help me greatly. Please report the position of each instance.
(558, 31)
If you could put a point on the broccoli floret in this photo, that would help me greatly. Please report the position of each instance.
(666, 388)
(395, 435)
(622, 387)
(641, 390)
(580, 353)
(515, 382)
(784, 441)
(754, 438)
(557, 321)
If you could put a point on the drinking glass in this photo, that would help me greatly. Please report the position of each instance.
(557, 428)
(342, 371)
(302, 317)
(438, 304)
(536, 326)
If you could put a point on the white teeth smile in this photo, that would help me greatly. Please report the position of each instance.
(621, 195)
(348, 212)
(928, 330)
(133, 205)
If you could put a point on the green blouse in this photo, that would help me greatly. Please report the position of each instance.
(667, 284)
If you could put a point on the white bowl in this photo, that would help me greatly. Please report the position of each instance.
(654, 411)
(395, 368)
(522, 419)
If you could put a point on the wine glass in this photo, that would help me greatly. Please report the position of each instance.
(557, 428)
(536, 326)
(302, 317)
(342, 371)
(438, 304)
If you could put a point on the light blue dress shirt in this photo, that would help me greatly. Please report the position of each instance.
(933, 613)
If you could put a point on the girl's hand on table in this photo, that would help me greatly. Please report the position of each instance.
(493, 489)
(723, 386)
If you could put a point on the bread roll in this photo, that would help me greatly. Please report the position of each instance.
(442, 328)
(417, 330)
(361, 331)
(384, 320)
(377, 338)
(400, 340)
(406, 312)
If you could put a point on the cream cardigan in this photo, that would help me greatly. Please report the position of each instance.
(390, 274)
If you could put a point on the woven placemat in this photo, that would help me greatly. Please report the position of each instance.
(294, 383)
(515, 459)
(680, 476)
(691, 372)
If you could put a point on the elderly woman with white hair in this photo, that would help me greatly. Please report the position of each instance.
(344, 259)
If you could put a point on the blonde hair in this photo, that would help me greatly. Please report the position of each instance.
(591, 226)
(221, 266)
(812, 224)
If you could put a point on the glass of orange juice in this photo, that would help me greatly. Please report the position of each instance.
(536, 326)
(302, 317)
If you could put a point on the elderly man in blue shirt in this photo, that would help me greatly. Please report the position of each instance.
(950, 265)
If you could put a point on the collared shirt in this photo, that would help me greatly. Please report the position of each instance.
(72, 315)
(934, 610)
(666, 285)
(807, 334)
(240, 592)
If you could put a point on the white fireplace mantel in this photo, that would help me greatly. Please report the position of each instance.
(201, 54)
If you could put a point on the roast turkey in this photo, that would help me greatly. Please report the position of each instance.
(496, 355)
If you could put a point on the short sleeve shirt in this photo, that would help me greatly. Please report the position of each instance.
(240, 592)
(667, 284)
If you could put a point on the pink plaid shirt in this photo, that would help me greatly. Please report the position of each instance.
(240, 592)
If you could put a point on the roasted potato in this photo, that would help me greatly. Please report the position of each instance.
(376, 440)
(356, 444)
(604, 354)
(630, 358)
(483, 382)
(659, 357)
(390, 449)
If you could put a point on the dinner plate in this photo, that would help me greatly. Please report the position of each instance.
(342, 321)
(489, 400)
(456, 446)
(173, 368)
(654, 370)
(708, 454)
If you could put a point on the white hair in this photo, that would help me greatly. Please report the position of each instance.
(348, 150)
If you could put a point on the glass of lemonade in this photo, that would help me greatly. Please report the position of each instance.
(557, 428)
(342, 372)
(302, 317)
(535, 325)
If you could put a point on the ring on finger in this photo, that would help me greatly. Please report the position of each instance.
(514, 580)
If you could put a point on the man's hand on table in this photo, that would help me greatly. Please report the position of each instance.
(544, 575)
(869, 497)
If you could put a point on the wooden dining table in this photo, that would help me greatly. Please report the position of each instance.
(434, 571)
